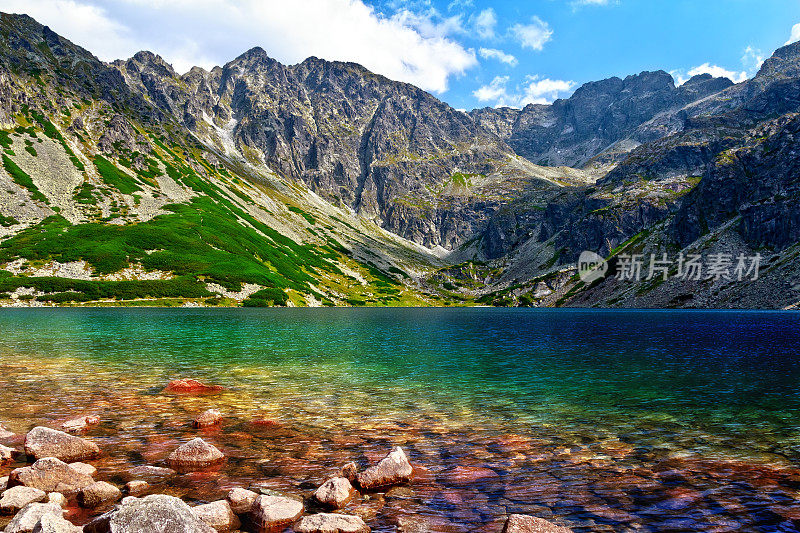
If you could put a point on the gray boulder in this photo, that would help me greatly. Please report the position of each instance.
(275, 512)
(50, 475)
(391, 470)
(30, 515)
(218, 515)
(331, 523)
(157, 513)
(18, 497)
(50, 523)
(98, 493)
(335, 492)
(196, 453)
(45, 442)
(241, 500)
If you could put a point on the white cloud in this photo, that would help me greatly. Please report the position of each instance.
(493, 53)
(496, 90)
(795, 36)
(210, 32)
(752, 59)
(485, 22)
(717, 72)
(533, 91)
(533, 35)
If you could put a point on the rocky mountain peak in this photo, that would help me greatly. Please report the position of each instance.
(785, 62)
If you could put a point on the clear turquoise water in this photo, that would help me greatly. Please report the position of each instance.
(629, 420)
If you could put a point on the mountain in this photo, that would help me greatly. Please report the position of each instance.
(321, 183)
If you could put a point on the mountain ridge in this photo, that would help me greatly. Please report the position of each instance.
(342, 187)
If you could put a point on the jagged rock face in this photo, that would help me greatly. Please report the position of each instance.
(570, 132)
(767, 205)
(355, 138)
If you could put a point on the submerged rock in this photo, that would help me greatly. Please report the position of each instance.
(241, 500)
(45, 442)
(29, 517)
(196, 453)
(275, 512)
(5, 433)
(157, 513)
(392, 469)
(208, 418)
(152, 473)
(191, 386)
(331, 523)
(50, 474)
(98, 493)
(80, 424)
(50, 523)
(218, 515)
(18, 497)
(335, 492)
(136, 487)
(520, 523)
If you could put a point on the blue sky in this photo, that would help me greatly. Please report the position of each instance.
(470, 53)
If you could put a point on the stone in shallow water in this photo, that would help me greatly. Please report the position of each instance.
(136, 487)
(462, 475)
(218, 515)
(45, 442)
(6, 454)
(3, 483)
(212, 417)
(275, 512)
(191, 386)
(196, 453)
(83, 468)
(520, 523)
(241, 500)
(80, 424)
(50, 523)
(152, 474)
(98, 493)
(18, 497)
(392, 469)
(50, 474)
(5, 433)
(350, 471)
(331, 523)
(30, 515)
(335, 492)
(157, 513)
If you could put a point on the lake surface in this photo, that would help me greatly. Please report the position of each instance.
(599, 420)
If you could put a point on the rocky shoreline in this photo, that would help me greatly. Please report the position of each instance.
(56, 491)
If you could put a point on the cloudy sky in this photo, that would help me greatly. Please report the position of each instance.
(470, 53)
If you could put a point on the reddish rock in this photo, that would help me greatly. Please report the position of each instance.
(218, 515)
(350, 471)
(80, 424)
(45, 442)
(50, 475)
(274, 513)
(391, 470)
(331, 523)
(266, 423)
(520, 523)
(191, 386)
(212, 417)
(241, 500)
(136, 487)
(196, 453)
(335, 492)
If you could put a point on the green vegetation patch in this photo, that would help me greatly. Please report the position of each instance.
(266, 298)
(8, 221)
(77, 290)
(114, 176)
(22, 179)
(309, 218)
